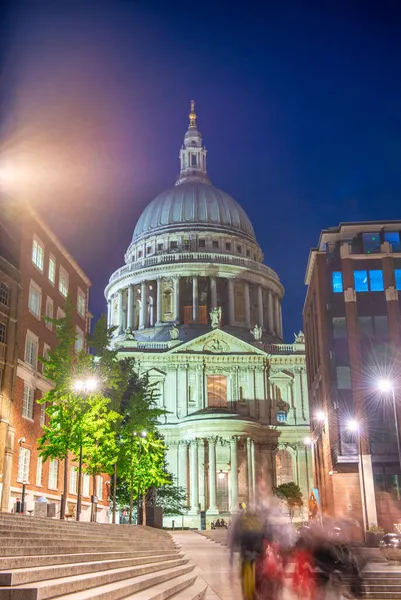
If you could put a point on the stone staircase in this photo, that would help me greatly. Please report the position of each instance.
(46, 558)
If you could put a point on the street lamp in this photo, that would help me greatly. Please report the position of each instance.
(85, 387)
(320, 416)
(353, 426)
(141, 434)
(386, 386)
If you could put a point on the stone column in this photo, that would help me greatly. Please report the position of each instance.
(260, 306)
(183, 465)
(142, 314)
(234, 474)
(253, 474)
(212, 510)
(120, 312)
(109, 305)
(247, 305)
(130, 304)
(231, 300)
(270, 313)
(213, 292)
(249, 468)
(194, 478)
(276, 309)
(280, 319)
(177, 299)
(159, 302)
(195, 299)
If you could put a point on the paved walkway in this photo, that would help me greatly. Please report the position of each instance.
(212, 564)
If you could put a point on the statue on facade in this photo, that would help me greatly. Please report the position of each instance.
(215, 317)
(257, 333)
(129, 334)
(174, 332)
(300, 338)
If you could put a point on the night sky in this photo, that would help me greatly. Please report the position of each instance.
(299, 104)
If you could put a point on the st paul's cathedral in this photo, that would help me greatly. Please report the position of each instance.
(199, 310)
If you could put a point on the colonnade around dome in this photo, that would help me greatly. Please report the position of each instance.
(189, 299)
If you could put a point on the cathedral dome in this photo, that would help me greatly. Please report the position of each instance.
(191, 205)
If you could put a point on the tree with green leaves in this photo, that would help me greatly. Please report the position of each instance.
(291, 495)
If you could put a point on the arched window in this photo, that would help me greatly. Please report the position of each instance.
(4, 293)
(283, 467)
(239, 302)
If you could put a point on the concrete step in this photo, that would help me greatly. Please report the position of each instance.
(124, 589)
(185, 587)
(28, 534)
(67, 586)
(21, 576)
(21, 562)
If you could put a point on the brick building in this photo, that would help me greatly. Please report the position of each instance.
(48, 273)
(9, 291)
(352, 329)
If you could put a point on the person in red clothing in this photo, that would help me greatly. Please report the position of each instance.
(304, 581)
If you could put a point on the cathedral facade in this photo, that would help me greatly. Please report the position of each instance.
(201, 313)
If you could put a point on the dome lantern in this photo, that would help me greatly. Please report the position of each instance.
(193, 153)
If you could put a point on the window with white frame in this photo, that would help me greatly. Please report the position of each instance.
(38, 253)
(39, 471)
(31, 349)
(81, 303)
(63, 281)
(24, 459)
(79, 341)
(86, 485)
(52, 269)
(99, 487)
(53, 474)
(28, 402)
(60, 313)
(42, 414)
(49, 312)
(73, 479)
(3, 330)
(35, 299)
(4, 293)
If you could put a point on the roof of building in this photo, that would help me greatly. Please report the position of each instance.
(190, 205)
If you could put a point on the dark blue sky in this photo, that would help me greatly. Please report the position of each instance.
(298, 104)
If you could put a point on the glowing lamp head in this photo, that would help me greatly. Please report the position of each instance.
(353, 426)
(320, 416)
(144, 433)
(91, 385)
(385, 385)
(78, 386)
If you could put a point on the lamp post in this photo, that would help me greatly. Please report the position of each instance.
(354, 427)
(84, 387)
(386, 385)
(143, 434)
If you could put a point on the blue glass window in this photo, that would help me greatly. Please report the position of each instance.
(393, 237)
(397, 275)
(371, 242)
(337, 278)
(376, 280)
(361, 281)
(281, 416)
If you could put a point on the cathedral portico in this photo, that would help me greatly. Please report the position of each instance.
(201, 314)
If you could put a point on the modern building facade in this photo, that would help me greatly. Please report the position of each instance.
(47, 274)
(352, 329)
(201, 313)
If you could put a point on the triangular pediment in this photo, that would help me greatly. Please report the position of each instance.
(156, 373)
(217, 341)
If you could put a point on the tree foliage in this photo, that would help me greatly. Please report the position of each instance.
(290, 493)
